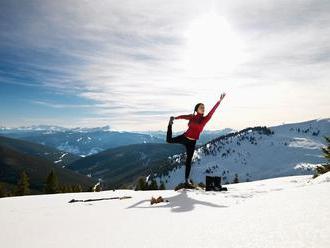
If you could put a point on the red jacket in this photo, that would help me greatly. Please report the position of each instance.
(197, 122)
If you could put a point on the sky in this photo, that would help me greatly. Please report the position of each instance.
(133, 64)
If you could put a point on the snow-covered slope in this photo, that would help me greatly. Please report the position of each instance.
(286, 212)
(259, 153)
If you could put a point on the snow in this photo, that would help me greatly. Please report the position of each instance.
(280, 212)
(305, 143)
(69, 148)
(307, 166)
(60, 159)
(64, 154)
(39, 128)
(322, 178)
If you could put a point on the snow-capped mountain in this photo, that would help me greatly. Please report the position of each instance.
(255, 153)
(91, 129)
(34, 128)
(78, 141)
(87, 141)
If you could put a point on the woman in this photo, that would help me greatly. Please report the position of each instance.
(195, 127)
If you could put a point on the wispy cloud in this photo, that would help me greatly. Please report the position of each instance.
(127, 57)
(61, 106)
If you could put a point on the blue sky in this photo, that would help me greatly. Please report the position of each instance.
(132, 64)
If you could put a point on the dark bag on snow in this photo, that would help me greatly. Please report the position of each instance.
(213, 183)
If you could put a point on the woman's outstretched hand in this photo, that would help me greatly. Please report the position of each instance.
(222, 96)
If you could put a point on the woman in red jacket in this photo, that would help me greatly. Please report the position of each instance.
(195, 127)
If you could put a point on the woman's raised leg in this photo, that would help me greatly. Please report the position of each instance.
(170, 139)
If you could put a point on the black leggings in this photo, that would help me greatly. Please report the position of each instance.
(189, 144)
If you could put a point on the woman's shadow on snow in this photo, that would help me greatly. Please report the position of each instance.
(178, 203)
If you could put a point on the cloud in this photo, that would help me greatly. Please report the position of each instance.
(126, 56)
(61, 106)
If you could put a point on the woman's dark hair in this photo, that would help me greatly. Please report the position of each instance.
(197, 106)
(195, 110)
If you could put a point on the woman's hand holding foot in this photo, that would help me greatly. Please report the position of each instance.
(171, 120)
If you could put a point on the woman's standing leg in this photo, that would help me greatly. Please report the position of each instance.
(189, 144)
(190, 152)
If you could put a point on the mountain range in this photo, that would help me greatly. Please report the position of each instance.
(87, 141)
(250, 154)
(37, 161)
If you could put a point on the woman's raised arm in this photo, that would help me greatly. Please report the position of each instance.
(209, 115)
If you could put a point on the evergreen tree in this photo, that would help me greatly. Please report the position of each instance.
(2, 191)
(141, 185)
(162, 185)
(326, 150)
(62, 189)
(65, 188)
(10, 193)
(51, 183)
(77, 188)
(23, 185)
(153, 185)
(98, 188)
(325, 167)
(91, 189)
(236, 180)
